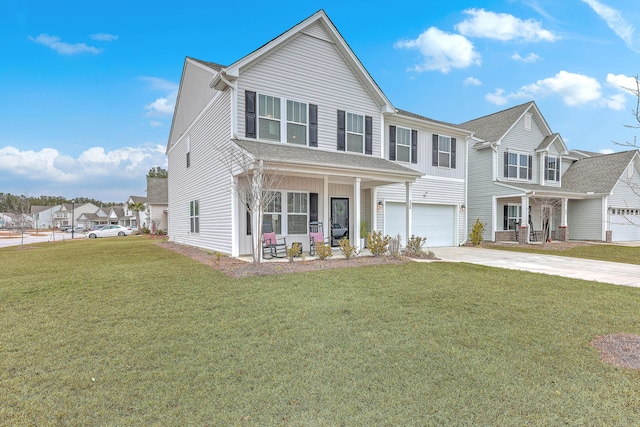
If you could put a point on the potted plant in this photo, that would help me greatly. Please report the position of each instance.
(363, 233)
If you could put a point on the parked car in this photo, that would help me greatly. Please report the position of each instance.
(76, 229)
(109, 231)
(65, 228)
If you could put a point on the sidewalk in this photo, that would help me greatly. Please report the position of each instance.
(577, 268)
(17, 240)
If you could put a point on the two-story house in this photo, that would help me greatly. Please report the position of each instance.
(525, 184)
(304, 107)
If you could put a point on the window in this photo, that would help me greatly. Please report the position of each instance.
(551, 169)
(296, 123)
(269, 118)
(513, 215)
(188, 151)
(517, 165)
(273, 210)
(403, 144)
(444, 151)
(297, 213)
(355, 133)
(194, 216)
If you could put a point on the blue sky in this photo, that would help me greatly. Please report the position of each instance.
(88, 88)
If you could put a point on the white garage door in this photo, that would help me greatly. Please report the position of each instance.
(625, 227)
(435, 222)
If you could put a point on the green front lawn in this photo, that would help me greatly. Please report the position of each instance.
(614, 253)
(122, 332)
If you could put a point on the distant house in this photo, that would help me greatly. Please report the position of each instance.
(157, 203)
(129, 216)
(44, 216)
(523, 179)
(70, 213)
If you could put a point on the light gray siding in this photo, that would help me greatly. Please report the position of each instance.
(206, 180)
(584, 219)
(194, 95)
(523, 142)
(626, 193)
(310, 69)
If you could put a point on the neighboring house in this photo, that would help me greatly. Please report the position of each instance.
(94, 219)
(305, 106)
(157, 203)
(523, 178)
(13, 220)
(44, 216)
(128, 216)
(69, 213)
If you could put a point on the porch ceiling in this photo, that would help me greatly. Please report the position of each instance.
(372, 170)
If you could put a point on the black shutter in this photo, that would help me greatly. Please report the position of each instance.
(248, 223)
(530, 166)
(313, 125)
(453, 153)
(368, 135)
(392, 142)
(546, 167)
(313, 206)
(434, 150)
(506, 218)
(506, 164)
(558, 169)
(250, 114)
(414, 146)
(341, 130)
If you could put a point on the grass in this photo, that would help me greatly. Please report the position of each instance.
(613, 253)
(122, 332)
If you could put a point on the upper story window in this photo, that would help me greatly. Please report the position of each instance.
(269, 118)
(403, 144)
(552, 168)
(355, 133)
(188, 152)
(296, 122)
(517, 165)
(281, 120)
(443, 151)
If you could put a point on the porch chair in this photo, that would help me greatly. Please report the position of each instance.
(272, 246)
(316, 235)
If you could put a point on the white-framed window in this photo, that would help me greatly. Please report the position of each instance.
(269, 117)
(444, 151)
(403, 144)
(527, 122)
(355, 133)
(514, 215)
(518, 165)
(551, 168)
(273, 210)
(297, 212)
(194, 216)
(297, 122)
(188, 151)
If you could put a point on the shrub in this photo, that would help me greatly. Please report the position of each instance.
(145, 230)
(323, 250)
(294, 251)
(414, 246)
(377, 243)
(347, 249)
(476, 233)
(394, 245)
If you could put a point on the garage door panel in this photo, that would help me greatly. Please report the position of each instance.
(625, 228)
(435, 222)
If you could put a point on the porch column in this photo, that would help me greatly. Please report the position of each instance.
(356, 202)
(235, 223)
(564, 229)
(325, 207)
(374, 209)
(409, 202)
(524, 222)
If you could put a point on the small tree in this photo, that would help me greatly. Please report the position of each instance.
(547, 206)
(476, 233)
(137, 207)
(157, 172)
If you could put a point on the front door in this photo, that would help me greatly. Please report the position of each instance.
(339, 218)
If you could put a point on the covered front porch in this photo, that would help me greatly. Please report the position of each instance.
(333, 188)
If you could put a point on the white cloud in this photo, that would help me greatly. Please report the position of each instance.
(155, 124)
(606, 151)
(616, 21)
(531, 58)
(157, 83)
(615, 102)
(54, 43)
(164, 105)
(103, 37)
(497, 97)
(472, 81)
(622, 82)
(442, 51)
(502, 26)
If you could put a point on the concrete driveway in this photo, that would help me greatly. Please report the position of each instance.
(41, 237)
(577, 268)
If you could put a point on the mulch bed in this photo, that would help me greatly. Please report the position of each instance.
(234, 267)
(619, 349)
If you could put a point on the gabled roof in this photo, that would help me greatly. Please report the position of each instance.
(427, 119)
(597, 174)
(233, 71)
(291, 154)
(579, 154)
(215, 67)
(157, 191)
(549, 140)
(494, 127)
(137, 199)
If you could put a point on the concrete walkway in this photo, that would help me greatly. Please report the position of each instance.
(16, 240)
(577, 268)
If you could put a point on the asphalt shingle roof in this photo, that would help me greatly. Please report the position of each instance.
(598, 174)
(312, 156)
(427, 119)
(493, 127)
